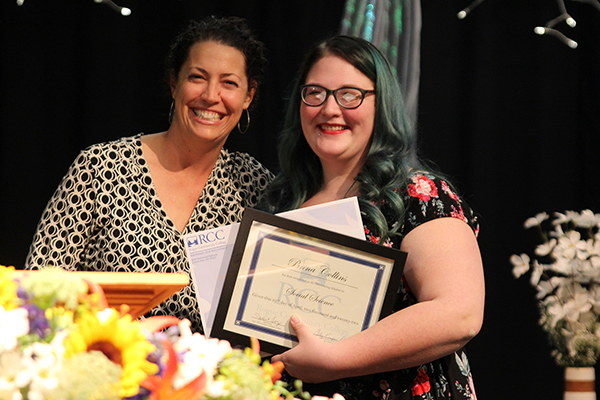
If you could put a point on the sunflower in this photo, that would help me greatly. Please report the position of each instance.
(8, 288)
(120, 339)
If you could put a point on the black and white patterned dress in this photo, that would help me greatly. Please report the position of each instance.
(106, 216)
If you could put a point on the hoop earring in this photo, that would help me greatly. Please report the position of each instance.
(171, 111)
(247, 123)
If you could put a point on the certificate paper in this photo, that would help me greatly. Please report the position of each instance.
(209, 251)
(336, 284)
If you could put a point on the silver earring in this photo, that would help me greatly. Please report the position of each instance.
(247, 123)
(172, 111)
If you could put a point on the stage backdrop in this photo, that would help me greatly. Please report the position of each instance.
(512, 116)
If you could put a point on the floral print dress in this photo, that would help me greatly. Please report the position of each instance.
(426, 197)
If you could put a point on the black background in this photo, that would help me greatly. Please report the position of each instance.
(513, 117)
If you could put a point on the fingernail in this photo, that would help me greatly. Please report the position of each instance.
(294, 319)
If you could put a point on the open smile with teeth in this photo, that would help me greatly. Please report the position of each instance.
(332, 127)
(208, 115)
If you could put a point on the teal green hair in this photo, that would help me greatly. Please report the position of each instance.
(392, 153)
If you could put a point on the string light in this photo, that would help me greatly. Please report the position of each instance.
(465, 11)
(547, 29)
(541, 30)
(124, 11)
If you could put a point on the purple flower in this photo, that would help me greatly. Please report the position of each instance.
(22, 293)
(38, 323)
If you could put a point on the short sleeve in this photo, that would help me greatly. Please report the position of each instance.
(252, 179)
(428, 197)
(66, 222)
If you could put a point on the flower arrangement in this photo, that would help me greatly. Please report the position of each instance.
(566, 274)
(60, 341)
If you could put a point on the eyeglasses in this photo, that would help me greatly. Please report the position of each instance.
(346, 97)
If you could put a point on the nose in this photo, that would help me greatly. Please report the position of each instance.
(211, 92)
(331, 107)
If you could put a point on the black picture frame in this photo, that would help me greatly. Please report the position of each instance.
(248, 254)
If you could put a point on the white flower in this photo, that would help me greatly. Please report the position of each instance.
(593, 251)
(570, 246)
(557, 232)
(44, 360)
(587, 219)
(13, 324)
(545, 248)
(561, 266)
(567, 284)
(585, 270)
(563, 292)
(216, 389)
(544, 289)
(535, 221)
(580, 302)
(521, 264)
(562, 218)
(556, 312)
(595, 293)
(104, 315)
(199, 354)
(536, 273)
(9, 393)
(595, 261)
(14, 374)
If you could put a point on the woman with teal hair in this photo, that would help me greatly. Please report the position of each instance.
(346, 134)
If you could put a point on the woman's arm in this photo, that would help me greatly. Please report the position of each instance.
(56, 241)
(444, 270)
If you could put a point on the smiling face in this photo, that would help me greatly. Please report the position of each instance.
(335, 134)
(210, 92)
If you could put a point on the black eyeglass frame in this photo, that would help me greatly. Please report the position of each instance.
(328, 92)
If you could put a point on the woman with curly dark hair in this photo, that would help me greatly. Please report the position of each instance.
(125, 205)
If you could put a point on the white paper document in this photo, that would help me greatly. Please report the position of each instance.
(341, 216)
(209, 252)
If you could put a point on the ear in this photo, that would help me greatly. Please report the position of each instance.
(250, 95)
(172, 83)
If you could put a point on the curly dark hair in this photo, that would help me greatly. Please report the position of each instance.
(230, 31)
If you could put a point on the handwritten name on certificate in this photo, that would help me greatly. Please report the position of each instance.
(336, 290)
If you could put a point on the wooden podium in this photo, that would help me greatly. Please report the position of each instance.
(139, 290)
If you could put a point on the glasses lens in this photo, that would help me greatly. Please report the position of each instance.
(349, 97)
(314, 95)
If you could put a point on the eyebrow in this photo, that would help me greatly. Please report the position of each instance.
(225, 75)
(353, 85)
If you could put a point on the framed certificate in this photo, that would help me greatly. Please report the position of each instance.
(336, 284)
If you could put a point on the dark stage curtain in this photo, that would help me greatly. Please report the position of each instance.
(515, 118)
(512, 117)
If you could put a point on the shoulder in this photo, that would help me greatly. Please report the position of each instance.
(244, 163)
(249, 177)
(426, 186)
(428, 196)
(125, 148)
